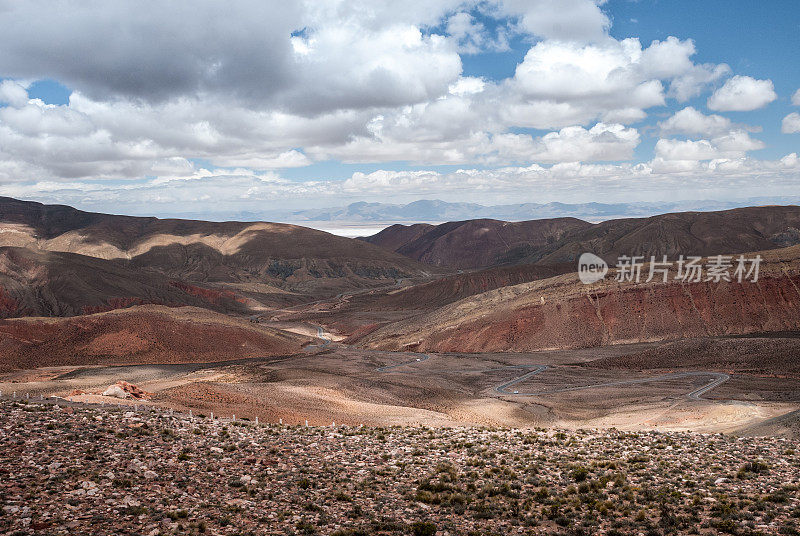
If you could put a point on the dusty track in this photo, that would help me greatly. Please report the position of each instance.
(321, 336)
(718, 379)
(334, 382)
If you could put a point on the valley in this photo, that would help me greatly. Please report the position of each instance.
(352, 332)
(335, 383)
(420, 268)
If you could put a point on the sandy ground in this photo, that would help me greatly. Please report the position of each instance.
(309, 330)
(343, 384)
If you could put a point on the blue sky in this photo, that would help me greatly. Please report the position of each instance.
(755, 38)
(328, 103)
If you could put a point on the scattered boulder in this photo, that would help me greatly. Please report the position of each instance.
(123, 389)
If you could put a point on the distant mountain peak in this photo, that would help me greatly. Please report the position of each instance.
(439, 211)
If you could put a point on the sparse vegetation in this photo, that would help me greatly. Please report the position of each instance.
(401, 481)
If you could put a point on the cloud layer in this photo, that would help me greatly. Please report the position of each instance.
(176, 103)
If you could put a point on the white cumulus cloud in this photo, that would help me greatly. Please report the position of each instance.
(731, 145)
(742, 94)
(572, 144)
(791, 123)
(563, 83)
(563, 20)
(691, 121)
(214, 100)
(13, 93)
(209, 191)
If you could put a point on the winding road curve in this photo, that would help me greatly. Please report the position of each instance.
(321, 336)
(717, 379)
(504, 389)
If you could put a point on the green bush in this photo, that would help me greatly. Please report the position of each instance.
(423, 528)
(580, 473)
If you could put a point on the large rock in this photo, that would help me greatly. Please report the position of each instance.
(116, 391)
(123, 389)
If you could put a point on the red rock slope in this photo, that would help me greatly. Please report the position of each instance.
(561, 312)
(142, 334)
(449, 289)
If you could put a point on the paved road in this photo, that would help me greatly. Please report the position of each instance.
(503, 388)
(421, 358)
(717, 379)
(321, 336)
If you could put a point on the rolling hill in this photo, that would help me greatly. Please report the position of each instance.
(483, 243)
(138, 335)
(449, 289)
(354, 315)
(289, 257)
(684, 233)
(473, 243)
(49, 283)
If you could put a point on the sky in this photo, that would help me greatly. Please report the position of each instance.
(203, 107)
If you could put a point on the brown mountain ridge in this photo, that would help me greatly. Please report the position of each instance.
(138, 335)
(483, 243)
(473, 243)
(287, 256)
(50, 283)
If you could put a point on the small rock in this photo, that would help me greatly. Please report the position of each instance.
(129, 501)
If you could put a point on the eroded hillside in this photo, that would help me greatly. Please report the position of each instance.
(561, 312)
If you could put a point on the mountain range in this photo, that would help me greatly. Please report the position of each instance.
(56, 260)
(471, 285)
(437, 211)
(562, 312)
(483, 243)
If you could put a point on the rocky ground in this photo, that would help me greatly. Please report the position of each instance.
(81, 470)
